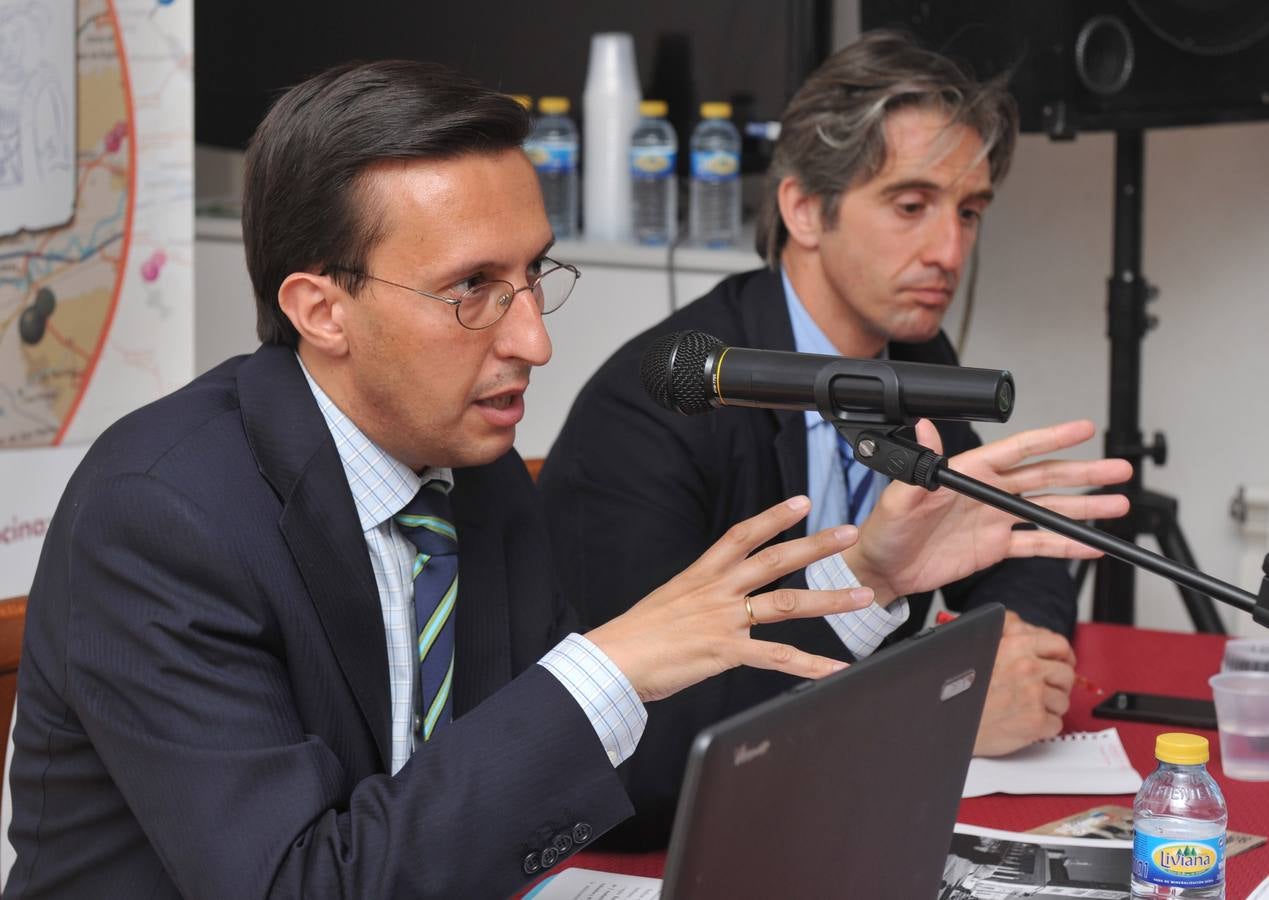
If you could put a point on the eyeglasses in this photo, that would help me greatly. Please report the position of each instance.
(486, 303)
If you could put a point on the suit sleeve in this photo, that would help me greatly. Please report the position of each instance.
(180, 681)
(633, 498)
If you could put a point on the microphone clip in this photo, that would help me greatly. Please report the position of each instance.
(893, 455)
(874, 435)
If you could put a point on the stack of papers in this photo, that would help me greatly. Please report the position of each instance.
(1082, 762)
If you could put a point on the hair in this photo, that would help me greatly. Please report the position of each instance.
(306, 203)
(833, 136)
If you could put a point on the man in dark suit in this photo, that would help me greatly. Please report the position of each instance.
(886, 161)
(225, 687)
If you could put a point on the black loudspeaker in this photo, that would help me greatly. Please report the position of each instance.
(1096, 65)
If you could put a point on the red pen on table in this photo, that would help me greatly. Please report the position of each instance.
(942, 617)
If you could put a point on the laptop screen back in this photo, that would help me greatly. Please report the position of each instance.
(844, 787)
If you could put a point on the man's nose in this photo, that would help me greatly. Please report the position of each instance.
(948, 243)
(522, 330)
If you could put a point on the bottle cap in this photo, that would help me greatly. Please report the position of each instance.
(523, 99)
(716, 110)
(654, 109)
(553, 106)
(1181, 749)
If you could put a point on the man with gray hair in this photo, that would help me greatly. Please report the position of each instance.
(887, 159)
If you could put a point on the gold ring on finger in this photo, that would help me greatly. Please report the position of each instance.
(753, 620)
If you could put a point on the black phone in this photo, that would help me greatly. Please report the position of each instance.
(1186, 711)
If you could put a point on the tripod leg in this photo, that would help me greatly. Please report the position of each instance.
(1202, 612)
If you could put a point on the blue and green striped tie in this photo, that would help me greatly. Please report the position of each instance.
(427, 523)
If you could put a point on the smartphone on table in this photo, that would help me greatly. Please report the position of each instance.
(1185, 711)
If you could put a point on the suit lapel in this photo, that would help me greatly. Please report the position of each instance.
(482, 615)
(296, 453)
(765, 323)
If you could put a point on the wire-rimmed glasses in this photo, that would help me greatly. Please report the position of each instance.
(486, 303)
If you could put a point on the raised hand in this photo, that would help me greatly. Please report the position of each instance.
(697, 624)
(917, 540)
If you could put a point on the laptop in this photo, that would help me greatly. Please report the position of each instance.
(843, 787)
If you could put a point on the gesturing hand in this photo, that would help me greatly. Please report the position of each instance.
(697, 624)
(917, 540)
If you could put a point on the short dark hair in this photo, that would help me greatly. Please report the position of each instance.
(833, 134)
(305, 207)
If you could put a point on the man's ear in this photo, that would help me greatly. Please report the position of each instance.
(314, 304)
(802, 213)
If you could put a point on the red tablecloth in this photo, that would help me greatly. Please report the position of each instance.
(1113, 658)
(1120, 658)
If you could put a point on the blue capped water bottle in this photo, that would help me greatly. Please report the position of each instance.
(1179, 820)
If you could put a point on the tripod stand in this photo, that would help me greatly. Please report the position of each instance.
(1151, 512)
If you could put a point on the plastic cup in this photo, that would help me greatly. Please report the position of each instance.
(1246, 655)
(1242, 715)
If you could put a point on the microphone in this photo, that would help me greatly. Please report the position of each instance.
(692, 372)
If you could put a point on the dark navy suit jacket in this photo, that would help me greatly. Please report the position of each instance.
(635, 493)
(203, 701)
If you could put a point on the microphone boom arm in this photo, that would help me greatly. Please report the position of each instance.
(898, 458)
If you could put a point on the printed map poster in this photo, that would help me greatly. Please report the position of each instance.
(96, 307)
(37, 113)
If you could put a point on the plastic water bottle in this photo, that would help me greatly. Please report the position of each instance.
(654, 196)
(1179, 822)
(714, 212)
(552, 148)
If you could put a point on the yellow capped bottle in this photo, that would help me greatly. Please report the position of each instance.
(1179, 820)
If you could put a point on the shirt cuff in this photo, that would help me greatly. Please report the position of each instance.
(603, 692)
(863, 630)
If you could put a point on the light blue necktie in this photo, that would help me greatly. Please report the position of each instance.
(427, 523)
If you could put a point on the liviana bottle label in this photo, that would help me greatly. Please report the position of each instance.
(1168, 862)
(715, 165)
(551, 157)
(652, 163)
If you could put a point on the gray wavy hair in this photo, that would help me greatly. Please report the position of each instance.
(833, 134)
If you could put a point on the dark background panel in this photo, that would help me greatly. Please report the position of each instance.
(1090, 65)
(751, 52)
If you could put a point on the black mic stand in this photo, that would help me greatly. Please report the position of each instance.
(1150, 512)
(880, 447)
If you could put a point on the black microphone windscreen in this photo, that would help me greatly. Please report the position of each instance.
(673, 371)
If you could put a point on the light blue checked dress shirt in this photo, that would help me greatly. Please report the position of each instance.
(381, 486)
(863, 630)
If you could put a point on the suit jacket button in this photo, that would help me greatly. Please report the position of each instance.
(581, 833)
(550, 856)
(532, 864)
(563, 842)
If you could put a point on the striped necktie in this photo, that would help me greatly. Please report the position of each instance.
(427, 523)
(858, 478)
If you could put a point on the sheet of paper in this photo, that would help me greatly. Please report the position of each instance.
(1261, 892)
(587, 884)
(1082, 762)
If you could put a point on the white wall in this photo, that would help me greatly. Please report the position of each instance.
(1041, 305)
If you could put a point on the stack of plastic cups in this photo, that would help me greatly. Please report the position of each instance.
(610, 109)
